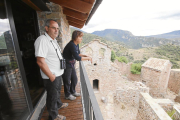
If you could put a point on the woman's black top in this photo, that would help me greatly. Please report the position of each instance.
(71, 53)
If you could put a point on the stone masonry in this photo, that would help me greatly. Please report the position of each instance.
(125, 69)
(57, 14)
(155, 75)
(130, 95)
(174, 81)
(150, 110)
(101, 65)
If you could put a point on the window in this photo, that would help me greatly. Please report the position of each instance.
(96, 85)
(101, 52)
(13, 101)
(89, 51)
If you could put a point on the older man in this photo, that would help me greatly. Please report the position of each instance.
(48, 54)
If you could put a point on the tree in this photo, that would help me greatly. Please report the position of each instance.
(136, 68)
(113, 56)
(122, 59)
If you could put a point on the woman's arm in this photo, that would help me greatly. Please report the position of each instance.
(83, 55)
(86, 58)
(78, 56)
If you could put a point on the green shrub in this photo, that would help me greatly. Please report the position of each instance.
(171, 113)
(170, 52)
(175, 64)
(113, 56)
(122, 59)
(140, 61)
(136, 68)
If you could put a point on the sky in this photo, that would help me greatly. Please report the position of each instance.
(4, 26)
(140, 17)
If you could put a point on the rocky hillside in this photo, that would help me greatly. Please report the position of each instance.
(134, 42)
(119, 47)
(170, 35)
(168, 52)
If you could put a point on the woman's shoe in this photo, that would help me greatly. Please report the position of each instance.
(70, 97)
(76, 94)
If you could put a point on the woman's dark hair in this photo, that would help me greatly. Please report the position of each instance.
(76, 34)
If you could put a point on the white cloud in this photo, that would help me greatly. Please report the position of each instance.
(141, 17)
(4, 26)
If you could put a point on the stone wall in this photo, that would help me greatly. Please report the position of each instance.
(155, 75)
(57, 14)
(130, 95)
(101, 68)
(100, 52)
(163, 83)
(125, 69)
(107, 77)
(133, 77)
(174, 81)
(166, 104)
(150, 110)
(151, 79)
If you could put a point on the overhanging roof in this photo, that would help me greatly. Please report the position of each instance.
(78, 12)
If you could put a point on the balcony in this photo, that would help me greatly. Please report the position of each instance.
(84, 107)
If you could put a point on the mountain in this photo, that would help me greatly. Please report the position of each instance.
(170, 35)
(164, 51)
(119, 47)
(113, 34)
(134, 42)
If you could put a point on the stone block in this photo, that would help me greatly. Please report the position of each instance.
(52, 15)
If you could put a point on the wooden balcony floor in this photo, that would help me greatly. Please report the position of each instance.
(75, 109)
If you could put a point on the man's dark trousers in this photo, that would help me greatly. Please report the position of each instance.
(70, 81)
(53, 101)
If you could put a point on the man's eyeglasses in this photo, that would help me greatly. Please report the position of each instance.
(54, 28)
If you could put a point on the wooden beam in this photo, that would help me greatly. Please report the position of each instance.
(75, 20)
(75, 24)
(76, 5)
(32, 5)
(74, 14)
(86, 1)
(91, 1)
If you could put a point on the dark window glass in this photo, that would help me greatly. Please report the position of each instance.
(26, 28)
(13, 103)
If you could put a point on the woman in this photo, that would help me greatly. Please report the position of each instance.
(71, 53)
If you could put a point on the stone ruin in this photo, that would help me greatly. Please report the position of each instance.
(155, 75)
(119, 97)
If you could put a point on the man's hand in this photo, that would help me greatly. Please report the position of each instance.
(52, 78)
(44, 67)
